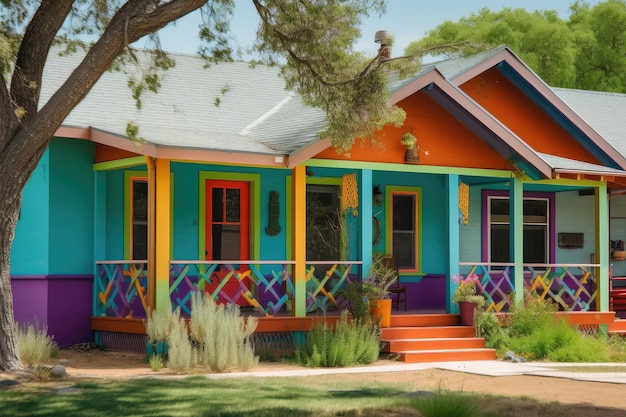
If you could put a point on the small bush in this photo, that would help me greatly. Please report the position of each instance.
(179, 346)
(156, 362)
(221, 335)
(488, 327)
(345, 344)
(445, 404)
(158, 324)
(33, 344)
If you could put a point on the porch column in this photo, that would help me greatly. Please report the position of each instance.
(366, 219)
(452, 184)
(299, 239)
(516, 235)
(602, 247)
(162, 234)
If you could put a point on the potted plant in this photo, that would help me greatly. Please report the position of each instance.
(467, 299)
(376, 286)
(410, 142)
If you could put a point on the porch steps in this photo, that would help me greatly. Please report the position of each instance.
(618, 327)
(433, 338)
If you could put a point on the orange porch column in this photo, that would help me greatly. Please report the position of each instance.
(299, 239)
(162, 233)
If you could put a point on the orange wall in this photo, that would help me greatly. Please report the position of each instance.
(443, 140)
(495, 93)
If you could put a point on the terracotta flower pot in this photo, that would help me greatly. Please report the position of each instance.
(381, 310)
(466, 311)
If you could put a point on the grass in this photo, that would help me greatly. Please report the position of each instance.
(270, 397)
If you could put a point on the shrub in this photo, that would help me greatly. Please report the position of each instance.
(445, 404)
(345, 344)
(221, 336)
(534, 332)
(156, 362)
(179, 346)
(158, 324)
(34, 344)
(488, 327)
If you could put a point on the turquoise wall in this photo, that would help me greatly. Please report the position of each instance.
(434, 211)
(71, 207)
(29, 253)
(54, 234)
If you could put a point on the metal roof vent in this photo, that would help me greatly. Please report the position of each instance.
(385, 39)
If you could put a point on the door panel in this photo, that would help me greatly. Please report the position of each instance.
(227, 236)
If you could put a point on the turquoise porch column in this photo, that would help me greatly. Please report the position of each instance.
(366, 210)
(602, 247)
(516, 235)
(452, 184)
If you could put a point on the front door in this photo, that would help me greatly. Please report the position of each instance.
(227, 236)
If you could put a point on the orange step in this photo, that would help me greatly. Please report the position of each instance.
(400, 345)
(618, 327)
(426, 332)
(424, 320)
(447, 355)
(433, 338)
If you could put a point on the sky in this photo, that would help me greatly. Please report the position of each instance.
(408, 20)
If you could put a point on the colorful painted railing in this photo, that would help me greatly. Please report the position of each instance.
(324, 280)
(266, 286)
(121, 289)
(572, 286)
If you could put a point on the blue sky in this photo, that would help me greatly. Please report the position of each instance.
(409, 20)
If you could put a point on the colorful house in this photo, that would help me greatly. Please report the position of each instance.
(231, 192)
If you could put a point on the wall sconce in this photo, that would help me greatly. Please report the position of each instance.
(378, 195)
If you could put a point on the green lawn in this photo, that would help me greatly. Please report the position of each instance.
(254, 397)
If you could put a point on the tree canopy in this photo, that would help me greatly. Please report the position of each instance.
(586, 51)
(311, 40)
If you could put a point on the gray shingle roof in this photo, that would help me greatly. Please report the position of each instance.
(604, 112)
(185, 112)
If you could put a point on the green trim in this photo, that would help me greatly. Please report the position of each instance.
(414, 168)
(128, 175)
(417, 191)
(569, 182)
(324, 181)
(255, 202)
(120, 163)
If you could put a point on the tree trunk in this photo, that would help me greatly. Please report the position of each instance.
(9, 212)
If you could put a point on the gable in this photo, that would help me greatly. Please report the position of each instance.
(494, 92)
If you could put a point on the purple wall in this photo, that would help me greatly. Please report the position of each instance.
(427, 294)
(62, 303)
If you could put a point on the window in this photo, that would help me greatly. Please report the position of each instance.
(404, 228)
(139, 219)
(324, 227)
(536, 234)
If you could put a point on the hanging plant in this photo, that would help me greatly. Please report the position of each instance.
(409, 140)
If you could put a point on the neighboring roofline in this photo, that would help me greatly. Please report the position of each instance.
(507, 55)
(179, 154)
(435, 77)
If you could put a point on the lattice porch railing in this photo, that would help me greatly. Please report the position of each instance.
(267, 287)
(573, 287)
(121, 289)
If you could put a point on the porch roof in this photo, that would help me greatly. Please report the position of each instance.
(230, 107)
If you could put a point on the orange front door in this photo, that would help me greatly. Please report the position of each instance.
(228, 236)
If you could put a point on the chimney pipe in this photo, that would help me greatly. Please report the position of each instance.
(385, 39)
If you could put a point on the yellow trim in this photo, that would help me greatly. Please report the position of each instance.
(163, 219)
(299, 179)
